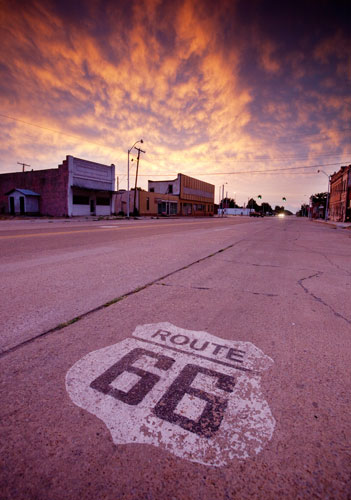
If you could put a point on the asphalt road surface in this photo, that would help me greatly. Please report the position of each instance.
(175, 359)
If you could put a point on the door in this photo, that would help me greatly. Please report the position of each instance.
(92, 207)
(21, 205)
(12, 205)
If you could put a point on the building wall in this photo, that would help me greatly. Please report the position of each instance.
(340, 195)
(51, 184)
(147, 203)
(235, 211)
(57, 186)
(121, 201)
(31, 203)
(163, 187)
(93, 181)
(195, 197)
(195, 190)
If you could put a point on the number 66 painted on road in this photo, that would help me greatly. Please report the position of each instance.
(211, 417)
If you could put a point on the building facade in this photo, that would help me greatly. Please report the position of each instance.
(76, 187)
(195, 197)
(340, 195)
(152, 204)
(23, 201)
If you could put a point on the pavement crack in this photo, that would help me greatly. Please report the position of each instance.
(63, 325)
(325, 256)
(318, 299)
(262, 293)
(183, 286)
(265, 294)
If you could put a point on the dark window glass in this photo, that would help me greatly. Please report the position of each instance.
(170, 188)
(147, 203)
(80, 200)
(152, 190)
(103, 201)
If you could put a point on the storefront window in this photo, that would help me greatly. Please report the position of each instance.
(80, 199)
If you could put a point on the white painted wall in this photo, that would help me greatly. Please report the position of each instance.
(236, 211)
(31, 203)
(103, 210)
(80, 210)
(162, 186)
(89, 175)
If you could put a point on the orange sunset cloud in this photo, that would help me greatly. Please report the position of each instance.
(215, 91)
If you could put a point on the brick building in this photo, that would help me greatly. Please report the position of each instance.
(340, 195)
(76, 187)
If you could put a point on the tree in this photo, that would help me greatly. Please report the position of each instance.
(252, 204)
(278, 209)
(228, 203)
(303, 212)
(265, 207)
(319, 198)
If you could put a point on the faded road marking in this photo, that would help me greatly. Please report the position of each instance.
(106, 228)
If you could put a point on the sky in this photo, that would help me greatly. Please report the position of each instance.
(253, 95)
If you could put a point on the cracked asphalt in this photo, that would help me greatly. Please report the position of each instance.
(282, 285)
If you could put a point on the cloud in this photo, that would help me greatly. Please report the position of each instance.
(205, 87)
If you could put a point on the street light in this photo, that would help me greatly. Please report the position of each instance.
(129, 150)
(327, 204)
(223, 197)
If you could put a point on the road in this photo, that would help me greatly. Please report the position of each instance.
(53, 272)
(206, 359)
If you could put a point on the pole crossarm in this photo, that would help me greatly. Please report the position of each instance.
(129, 150)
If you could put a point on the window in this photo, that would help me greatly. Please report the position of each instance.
(152, 190)
(80, 199)
(173, 208)
(170, 188)
(147, 203)
(103, 201)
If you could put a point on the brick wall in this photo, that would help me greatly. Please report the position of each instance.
(51, 184)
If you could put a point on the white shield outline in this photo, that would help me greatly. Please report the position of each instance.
(247, 423)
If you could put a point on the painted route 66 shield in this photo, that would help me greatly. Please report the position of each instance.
(190, 393)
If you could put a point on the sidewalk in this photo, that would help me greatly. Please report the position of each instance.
(336, 225)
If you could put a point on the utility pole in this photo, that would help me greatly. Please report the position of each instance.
(23, 165)
(223, 199)
(136, 175)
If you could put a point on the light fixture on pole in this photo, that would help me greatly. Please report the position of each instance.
(129, 150)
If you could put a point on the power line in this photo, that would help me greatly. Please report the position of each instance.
(260, 158)
(244, 171)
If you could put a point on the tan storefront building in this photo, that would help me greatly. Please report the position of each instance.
(147, 203)
(195, 197)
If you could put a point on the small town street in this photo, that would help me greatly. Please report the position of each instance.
(175, 359)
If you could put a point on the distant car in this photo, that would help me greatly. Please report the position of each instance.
(256, 214)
